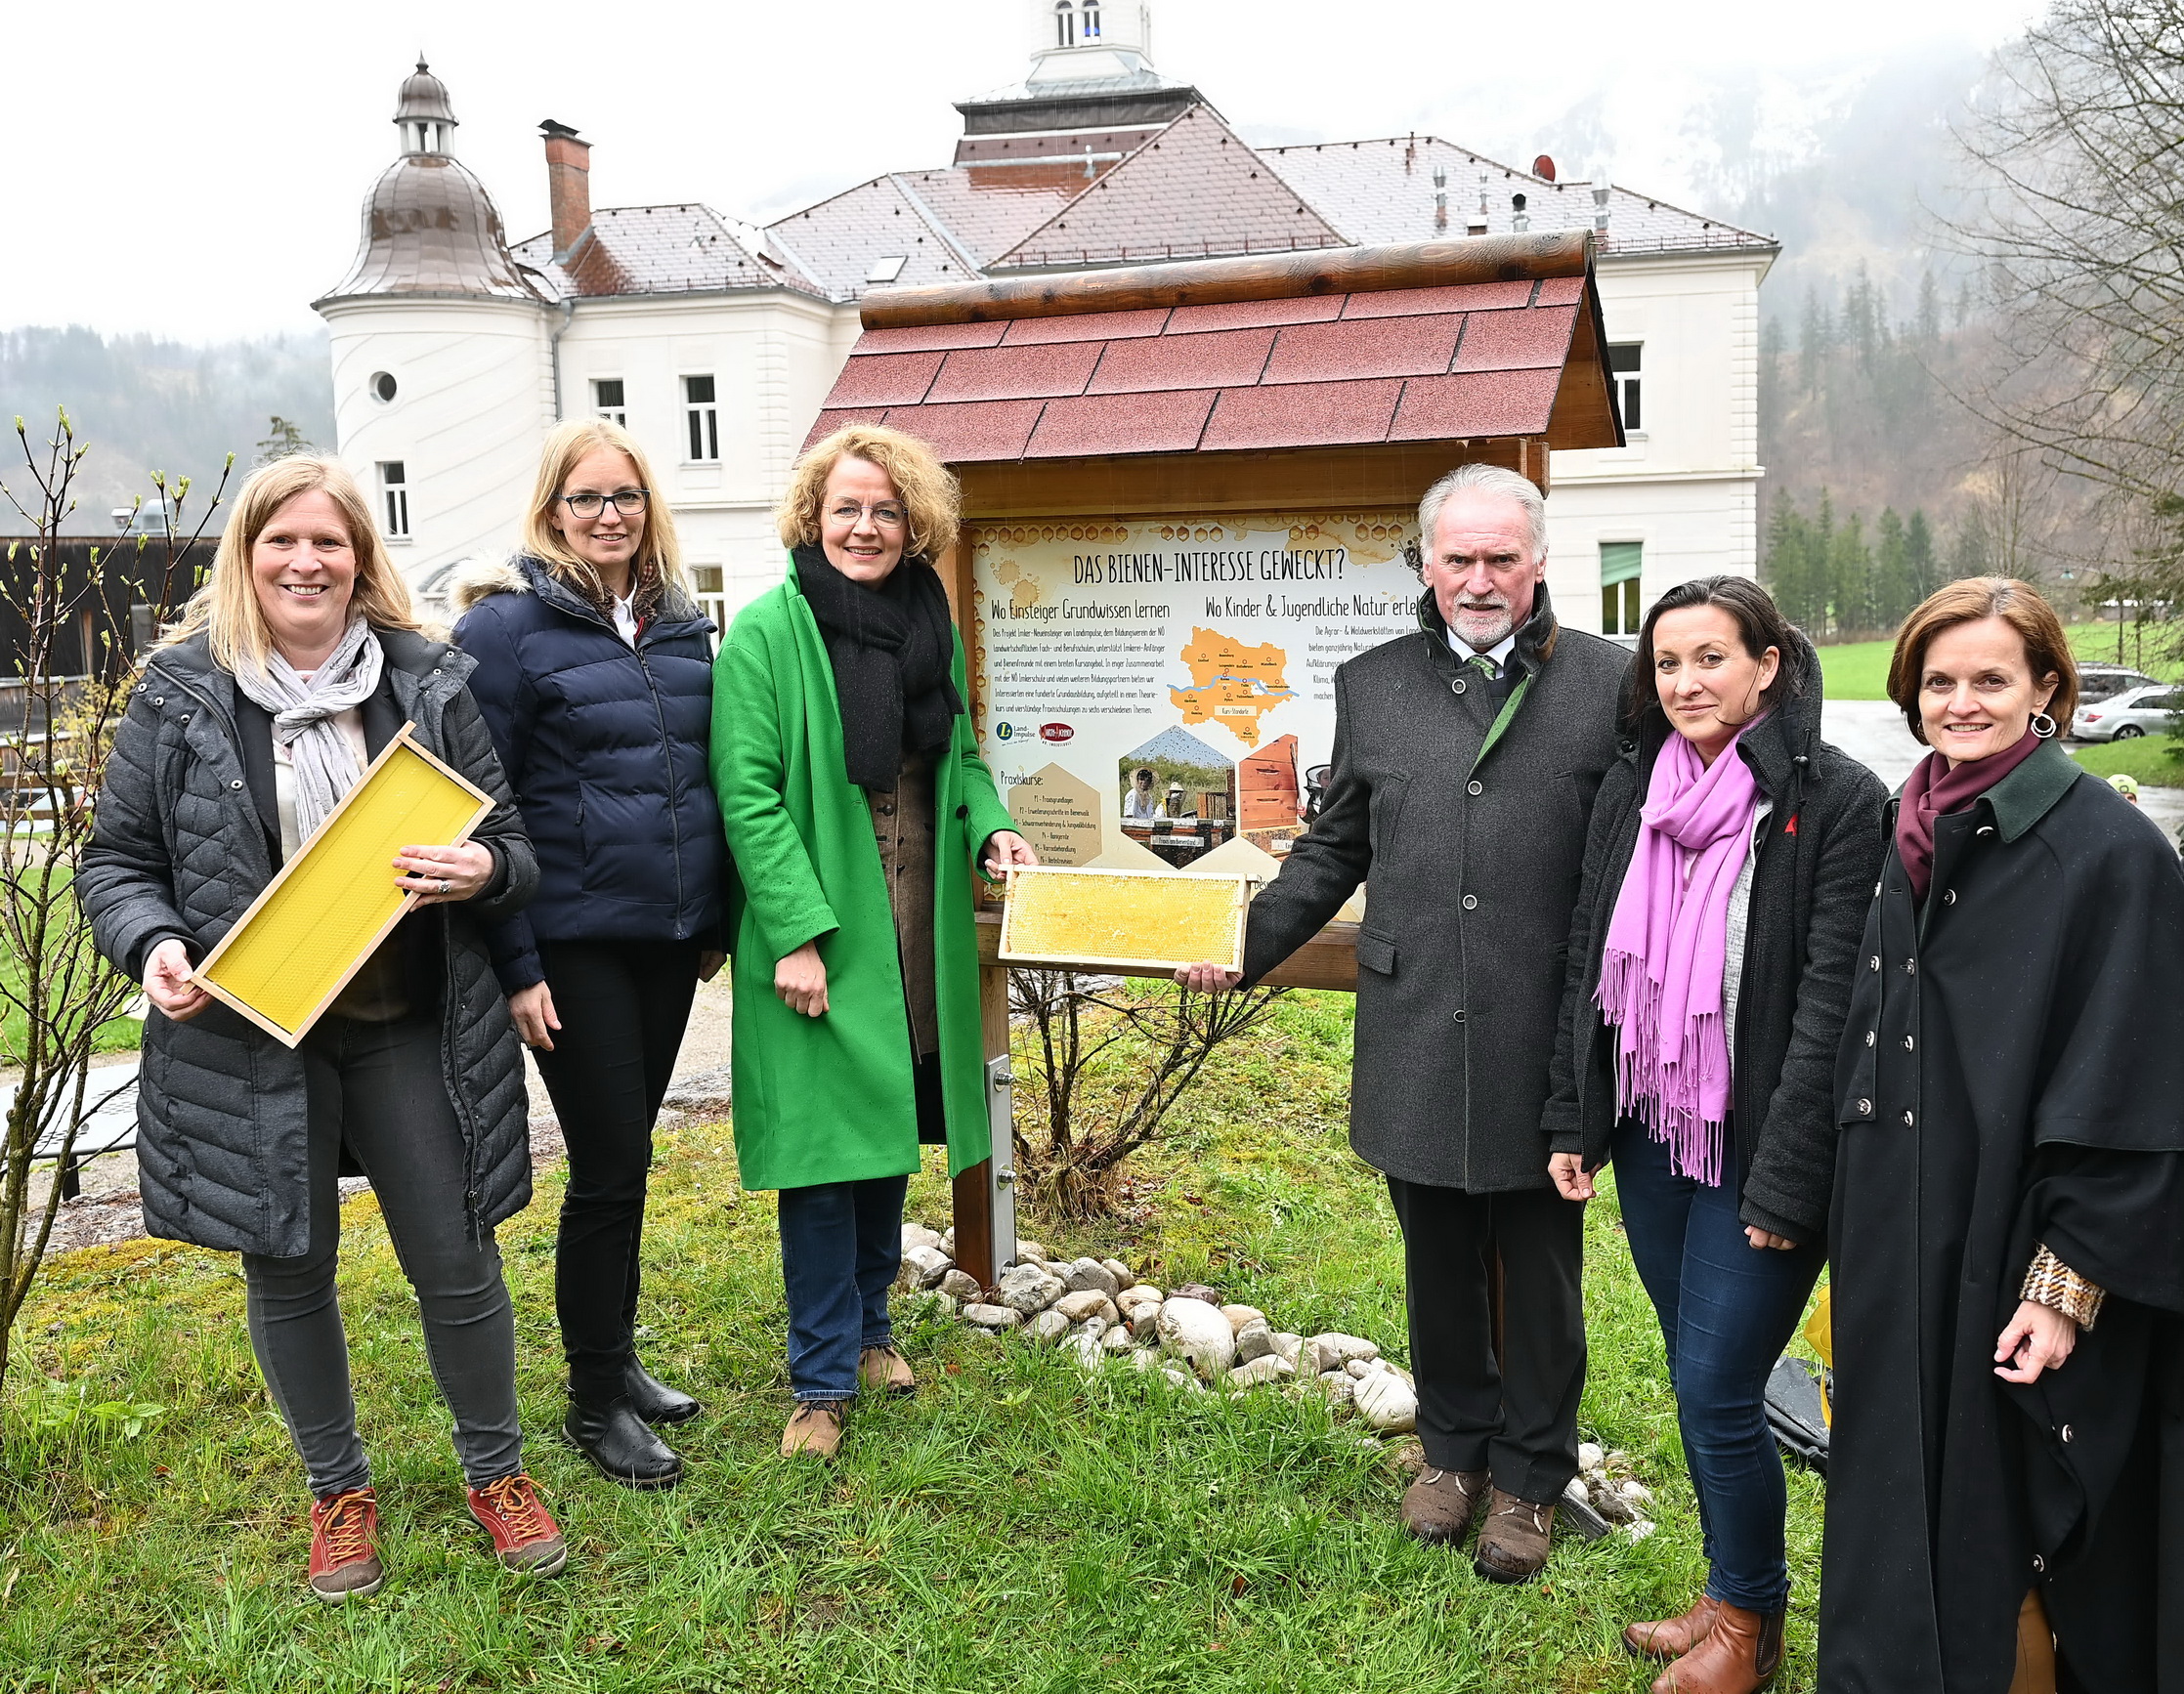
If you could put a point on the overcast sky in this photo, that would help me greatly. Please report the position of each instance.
(199, 171)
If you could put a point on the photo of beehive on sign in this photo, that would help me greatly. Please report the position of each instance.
(1139, 920)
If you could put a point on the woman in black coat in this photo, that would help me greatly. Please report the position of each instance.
(294, 665)
(594, 671)
(1727, 870)
(2008, 1230)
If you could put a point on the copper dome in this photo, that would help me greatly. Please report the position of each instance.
(430, 228)
(424, 96)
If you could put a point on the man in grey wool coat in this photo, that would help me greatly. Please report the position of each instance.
(1466, 758)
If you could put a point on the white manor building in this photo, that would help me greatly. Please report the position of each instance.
(715, 341)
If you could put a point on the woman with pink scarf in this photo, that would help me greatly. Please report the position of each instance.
(1727, 876)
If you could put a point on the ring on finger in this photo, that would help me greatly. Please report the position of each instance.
(446, 887)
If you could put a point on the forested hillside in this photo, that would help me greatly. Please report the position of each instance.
(146, 404)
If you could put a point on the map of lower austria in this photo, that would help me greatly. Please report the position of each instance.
(1232, 682)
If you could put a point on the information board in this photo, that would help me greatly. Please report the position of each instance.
(1158, 692)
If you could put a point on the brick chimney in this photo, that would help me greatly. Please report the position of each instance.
(568, 183)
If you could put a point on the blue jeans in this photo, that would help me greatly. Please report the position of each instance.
(1727, 1309)
(840, 1247)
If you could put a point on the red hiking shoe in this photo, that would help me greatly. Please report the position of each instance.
(525, 1536)
(345, 1545)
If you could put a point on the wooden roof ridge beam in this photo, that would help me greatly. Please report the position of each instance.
(1220, 282)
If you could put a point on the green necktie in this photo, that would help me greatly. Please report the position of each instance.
(1486, 666)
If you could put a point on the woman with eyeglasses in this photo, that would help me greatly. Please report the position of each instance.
(855, 802)
(595, 677)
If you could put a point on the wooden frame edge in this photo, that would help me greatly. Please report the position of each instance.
(226, 997)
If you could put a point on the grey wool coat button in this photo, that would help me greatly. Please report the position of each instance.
(236, 784)
(1471, 903)
(1456, 687)
(1459, 1014)
(1474, 787)
(1865, 1105)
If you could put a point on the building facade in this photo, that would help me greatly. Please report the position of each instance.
(714, 342)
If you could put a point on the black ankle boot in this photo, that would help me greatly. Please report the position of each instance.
(616, 1439)
(655, 1400)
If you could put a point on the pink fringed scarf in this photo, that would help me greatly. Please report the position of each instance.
(1661, 978)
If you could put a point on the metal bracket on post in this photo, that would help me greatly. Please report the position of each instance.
(1002, 1182)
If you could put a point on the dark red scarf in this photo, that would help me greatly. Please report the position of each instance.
(1934, 790)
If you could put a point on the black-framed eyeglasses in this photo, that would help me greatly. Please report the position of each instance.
(627, 502)
(886, 515)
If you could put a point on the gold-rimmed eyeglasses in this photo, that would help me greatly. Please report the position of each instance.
(885, 513)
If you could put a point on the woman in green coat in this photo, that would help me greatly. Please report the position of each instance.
(852, 793)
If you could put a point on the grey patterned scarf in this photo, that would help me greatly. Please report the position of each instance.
(303, 712)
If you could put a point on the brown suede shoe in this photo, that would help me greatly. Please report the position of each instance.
(814, 1427)
(883, 1371)
(1513, 1542)
(1438, 1508)
(1672, 1637)
(1741, 1654)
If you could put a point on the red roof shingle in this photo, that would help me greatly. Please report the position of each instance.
(1194, 190)
(1456, 361)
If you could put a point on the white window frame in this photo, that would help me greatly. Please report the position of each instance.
(709, 584)
(1629, 391)
(394, 499)
(615, 413)
(701, 420)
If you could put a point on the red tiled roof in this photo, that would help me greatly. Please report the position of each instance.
(1458, 361)
(1194, 190)
(656, 250)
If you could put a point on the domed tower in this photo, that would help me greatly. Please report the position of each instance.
(441, 351)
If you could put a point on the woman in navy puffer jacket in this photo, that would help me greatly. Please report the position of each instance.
(595, 677)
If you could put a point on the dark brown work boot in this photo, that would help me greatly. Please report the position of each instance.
(1741, 1654)
(1438, 1508)
(1513, 1542)
(1672, 1637)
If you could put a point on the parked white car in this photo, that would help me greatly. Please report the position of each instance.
(2136, 711)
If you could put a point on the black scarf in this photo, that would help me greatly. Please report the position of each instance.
(891, 648)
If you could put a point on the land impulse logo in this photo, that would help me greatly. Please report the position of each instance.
(1054, 732)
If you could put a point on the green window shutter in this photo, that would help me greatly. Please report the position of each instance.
(1620, 561)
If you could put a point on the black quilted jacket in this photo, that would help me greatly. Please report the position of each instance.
(180, 849)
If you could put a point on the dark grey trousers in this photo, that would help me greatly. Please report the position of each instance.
(378, 1089)
(1518, 1419)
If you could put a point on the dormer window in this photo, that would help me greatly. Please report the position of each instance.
(1089, 24)
(1065, 23)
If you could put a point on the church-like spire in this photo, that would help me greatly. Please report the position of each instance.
(423, 114)
(1091, 40)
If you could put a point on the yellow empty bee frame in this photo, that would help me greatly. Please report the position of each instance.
(1149, 920)
(318, 920)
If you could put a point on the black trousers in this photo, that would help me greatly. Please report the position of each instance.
(1518, 1419)
(624, 1007)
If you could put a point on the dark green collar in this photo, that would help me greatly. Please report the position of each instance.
(2024, 796)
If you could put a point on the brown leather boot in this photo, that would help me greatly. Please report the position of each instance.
(1512, 1544)
(1672, 1637)
(1739, 1654)
(1438, 1508)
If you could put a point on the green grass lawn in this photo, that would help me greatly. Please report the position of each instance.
(114, 1036)
(1859, 670)
(2149, 758)
(1013, 1527)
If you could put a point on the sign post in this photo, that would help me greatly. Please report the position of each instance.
(1190, 493)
